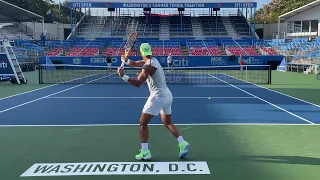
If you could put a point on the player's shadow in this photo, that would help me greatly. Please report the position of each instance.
(302, 160)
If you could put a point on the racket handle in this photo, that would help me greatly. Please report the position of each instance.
(122, 64)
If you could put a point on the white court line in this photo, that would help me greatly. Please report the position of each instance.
(275, 91)
(43, 88)
(59, 97)
(51, 95)
(27, 92)
(264, 100)
(199, 124)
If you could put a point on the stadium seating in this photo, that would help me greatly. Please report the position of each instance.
(55, 52)
(78, 51)
(301, 50)
(213, 26)
(268, 51)
(203, 48)
(241, 51)
(176, 29)
(164, 48)
(170, 25)
(296, 46)
(240, 24)
(30, 48)
(202, 51)
(214, 32)
(117, 52)
(209, 47)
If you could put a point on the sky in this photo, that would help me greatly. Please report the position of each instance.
(260, 2)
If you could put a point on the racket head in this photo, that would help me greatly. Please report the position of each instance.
(130, 43)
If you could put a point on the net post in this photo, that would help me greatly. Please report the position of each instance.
(246, 73)
(40, 73)
(269, 75)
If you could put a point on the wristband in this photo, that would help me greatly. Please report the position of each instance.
(127, 62)
(125, 78)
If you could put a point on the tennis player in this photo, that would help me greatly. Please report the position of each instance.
(241, 62)
(159, 101)
(169, 62)
(109, 61)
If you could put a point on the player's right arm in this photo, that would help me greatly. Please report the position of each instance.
(132, 63)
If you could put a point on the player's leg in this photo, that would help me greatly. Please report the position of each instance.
(150, 109)
(144, 136)
(166, 120)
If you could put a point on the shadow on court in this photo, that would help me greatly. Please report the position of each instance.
(301, 160)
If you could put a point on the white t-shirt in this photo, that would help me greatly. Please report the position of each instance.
(157, 82)
(169, 59)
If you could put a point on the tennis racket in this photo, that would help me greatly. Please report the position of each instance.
(129, 45)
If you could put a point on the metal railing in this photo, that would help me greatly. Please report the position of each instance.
(301, 35)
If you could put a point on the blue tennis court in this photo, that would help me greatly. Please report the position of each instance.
(104, 104)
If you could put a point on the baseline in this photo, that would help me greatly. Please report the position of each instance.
(123, 97)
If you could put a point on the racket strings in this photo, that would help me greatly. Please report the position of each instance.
(130, 43)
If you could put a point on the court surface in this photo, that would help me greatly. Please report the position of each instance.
(238, 131)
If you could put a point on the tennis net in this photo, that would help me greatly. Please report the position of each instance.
(80, 74)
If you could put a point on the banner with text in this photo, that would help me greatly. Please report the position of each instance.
(162, 4)
(117, 168)
(5, 68)
(178, 61)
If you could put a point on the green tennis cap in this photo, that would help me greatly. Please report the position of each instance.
(145, 49)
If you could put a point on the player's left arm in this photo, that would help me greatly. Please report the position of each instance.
(147, 70)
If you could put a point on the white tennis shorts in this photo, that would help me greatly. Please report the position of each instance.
(158, 104)
(109, 64)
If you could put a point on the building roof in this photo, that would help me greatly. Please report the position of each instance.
(300, 10)
(10, 13)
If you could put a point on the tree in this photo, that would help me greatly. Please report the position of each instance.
(41, 8)
(269, 13)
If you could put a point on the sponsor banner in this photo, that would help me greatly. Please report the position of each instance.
(178, 61)
(4, 78)
(162, 4)
(117, 168)
(5, 66)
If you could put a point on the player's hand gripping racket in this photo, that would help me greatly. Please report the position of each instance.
(129, 46)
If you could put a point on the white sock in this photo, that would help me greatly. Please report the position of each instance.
(180, 139)
(144, 147)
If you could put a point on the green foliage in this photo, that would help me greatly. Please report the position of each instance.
(269, 13)
(41, 7)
